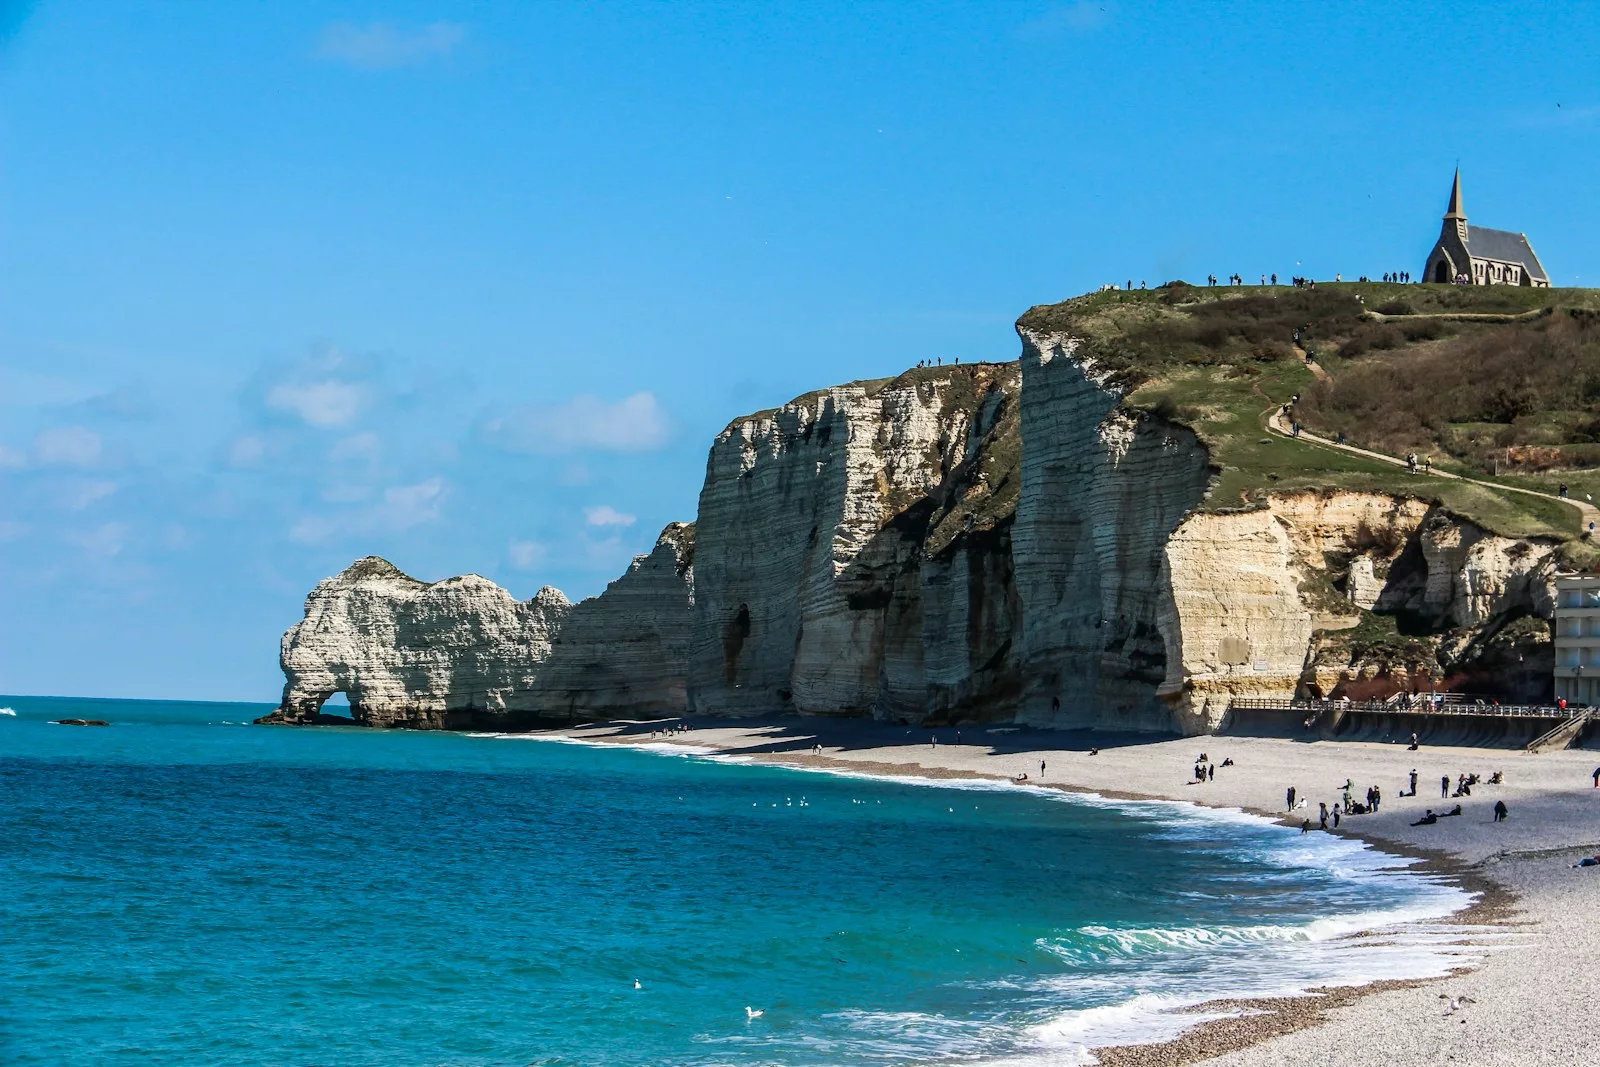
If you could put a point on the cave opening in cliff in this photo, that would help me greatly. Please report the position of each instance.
(335, 710)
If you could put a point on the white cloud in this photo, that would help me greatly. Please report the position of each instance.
(68, 446)
(325, 403)
(246, 451)
(102, 542)
(525, 554)
(405, 506)
(399, 509)
(383, 45)
(78, 494)
(356, 446)
(1077, 17)
(633, 424)
(606, 515)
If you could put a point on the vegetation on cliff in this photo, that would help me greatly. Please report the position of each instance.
(1495, 383)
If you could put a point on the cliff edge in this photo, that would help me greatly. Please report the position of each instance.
(1098, 535)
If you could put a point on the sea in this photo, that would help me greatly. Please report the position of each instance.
(181, 887)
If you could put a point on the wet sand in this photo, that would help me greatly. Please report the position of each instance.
(1529, 1004)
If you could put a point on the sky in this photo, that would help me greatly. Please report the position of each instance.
(473, 287)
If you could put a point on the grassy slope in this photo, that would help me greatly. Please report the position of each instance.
(1219, 359)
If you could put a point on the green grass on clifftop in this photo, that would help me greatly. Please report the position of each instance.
(1492, 382)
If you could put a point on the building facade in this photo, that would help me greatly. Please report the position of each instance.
(1577, 636)
(1477, 255)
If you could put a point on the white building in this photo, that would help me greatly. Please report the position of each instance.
(1577, 635)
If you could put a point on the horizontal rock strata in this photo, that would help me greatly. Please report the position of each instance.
(991, 542)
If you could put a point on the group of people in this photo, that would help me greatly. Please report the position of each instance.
(1403, 276)
(675, 728)
(1206, 771)
(1413, 463)
(1348, 805)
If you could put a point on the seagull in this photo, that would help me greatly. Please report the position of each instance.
(751, 1014)
(637, 984)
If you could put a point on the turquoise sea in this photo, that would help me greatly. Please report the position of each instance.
(183, 888)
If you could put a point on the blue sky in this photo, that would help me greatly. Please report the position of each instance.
(473, 286)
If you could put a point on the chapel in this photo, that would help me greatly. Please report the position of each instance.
(1477, 255)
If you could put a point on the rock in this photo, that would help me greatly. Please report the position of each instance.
(80, 722)
(992, 542)
(625, 653)
(1103, 490)
(409, 653)
(854, 552)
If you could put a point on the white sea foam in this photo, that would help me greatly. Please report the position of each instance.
(8, 711)
(1148, 979)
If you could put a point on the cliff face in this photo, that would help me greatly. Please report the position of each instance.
(417, 654)
(854, 551)
(625, 652)
(463, 653)
(993, 542)
(1103, 489)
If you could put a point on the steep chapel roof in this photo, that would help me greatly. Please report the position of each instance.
(1505, 246)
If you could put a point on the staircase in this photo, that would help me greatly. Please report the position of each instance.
(1561, 736)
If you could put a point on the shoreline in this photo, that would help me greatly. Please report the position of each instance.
(1323, 1022)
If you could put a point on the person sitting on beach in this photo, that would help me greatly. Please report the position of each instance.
(1497, 778)
(1023, 777)
(1500, 811)
(1228, 762)
(1094, 752)
(1453, 811)
(1427, 820)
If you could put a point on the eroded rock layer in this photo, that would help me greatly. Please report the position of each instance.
(409, 653)
(990, 542)
(854, 554)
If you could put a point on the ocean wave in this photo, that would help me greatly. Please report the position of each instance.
(8, 711)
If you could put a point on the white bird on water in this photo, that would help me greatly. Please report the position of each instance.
(637, 984)
(751, 1014)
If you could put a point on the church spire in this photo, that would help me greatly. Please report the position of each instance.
(1455, 211)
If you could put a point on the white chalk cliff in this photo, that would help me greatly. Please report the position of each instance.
(989, 542)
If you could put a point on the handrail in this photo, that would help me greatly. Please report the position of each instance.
(1300, 704)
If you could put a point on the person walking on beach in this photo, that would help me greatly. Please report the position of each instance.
(1336, 817)
(1041, 768)
(1324, 806)
(1413, 779)
(1500, 811)
(1289, 797)
(1444, 785)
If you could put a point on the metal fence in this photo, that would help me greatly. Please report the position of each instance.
(1418, 707)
